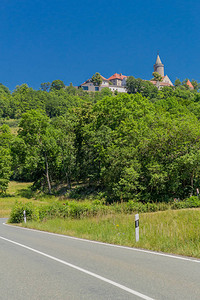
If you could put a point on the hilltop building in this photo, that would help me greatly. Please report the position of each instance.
(118, 79)
(90, 87)
(159, 68)
(117, 82)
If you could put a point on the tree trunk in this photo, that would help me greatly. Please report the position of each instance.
(47, 175)
(192, 183)
(68, 181)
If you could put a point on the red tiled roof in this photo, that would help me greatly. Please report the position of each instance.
(189, 84)
(117, 76)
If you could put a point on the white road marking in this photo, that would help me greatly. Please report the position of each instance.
(81, 270)
(110, 245)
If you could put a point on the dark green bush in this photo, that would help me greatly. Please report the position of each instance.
(17, 215)
(72, 209)
(52, 211)
(77, 210)
(191, 202)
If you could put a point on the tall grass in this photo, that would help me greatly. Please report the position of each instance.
(175, 232)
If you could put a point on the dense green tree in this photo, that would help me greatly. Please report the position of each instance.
(195, 84)
(71, 89)
(157, 76)
(33, 132)
(5, 168)
(138, 85)
(133, 85)
(65, 140)
(4, 106)
(56, 85)
(5, 98)
(58, 103)
(177, 82)
(4, 89)
(129, 138)
(143, 145)
(5, 158)
(105, 92)
(97, 79)
(25, 99)
(149, 90)
(44, 150)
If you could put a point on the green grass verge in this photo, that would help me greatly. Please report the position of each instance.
(171, 231)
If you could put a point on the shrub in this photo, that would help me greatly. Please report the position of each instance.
(191, 202)
(71, 209)
(53, 210)
(17, 215)
(77, 210)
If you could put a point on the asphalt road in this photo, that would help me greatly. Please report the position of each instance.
(39, 265)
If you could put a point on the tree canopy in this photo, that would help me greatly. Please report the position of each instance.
(157, 76)
(141, 145)
(97, 79)
(56, 85)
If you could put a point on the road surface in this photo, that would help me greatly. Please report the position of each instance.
(39, 265)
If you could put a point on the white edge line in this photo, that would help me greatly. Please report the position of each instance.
(110, 245)
(82, 270)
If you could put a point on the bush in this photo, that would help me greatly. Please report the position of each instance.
(17, 215)
(77, 210)
(53, 210)
(72, 209)
(191, 202)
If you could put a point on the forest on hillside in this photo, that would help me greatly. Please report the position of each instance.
(143, 145)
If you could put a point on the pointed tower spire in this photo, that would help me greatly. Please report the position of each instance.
(159, 67)
(158, 60)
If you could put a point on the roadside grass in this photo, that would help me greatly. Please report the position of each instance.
(170, 231)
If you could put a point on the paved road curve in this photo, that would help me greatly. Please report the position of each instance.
(38, 265)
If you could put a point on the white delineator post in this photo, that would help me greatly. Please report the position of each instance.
(24, 212)
(137, 227)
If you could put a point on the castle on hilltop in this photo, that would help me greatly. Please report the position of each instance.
(117, 82)
(159, 68)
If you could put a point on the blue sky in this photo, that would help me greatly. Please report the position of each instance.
(44, 40)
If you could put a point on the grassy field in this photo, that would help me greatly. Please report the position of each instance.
(171, 231)
(19, 191)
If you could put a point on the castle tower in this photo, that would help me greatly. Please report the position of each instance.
(159, 67)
